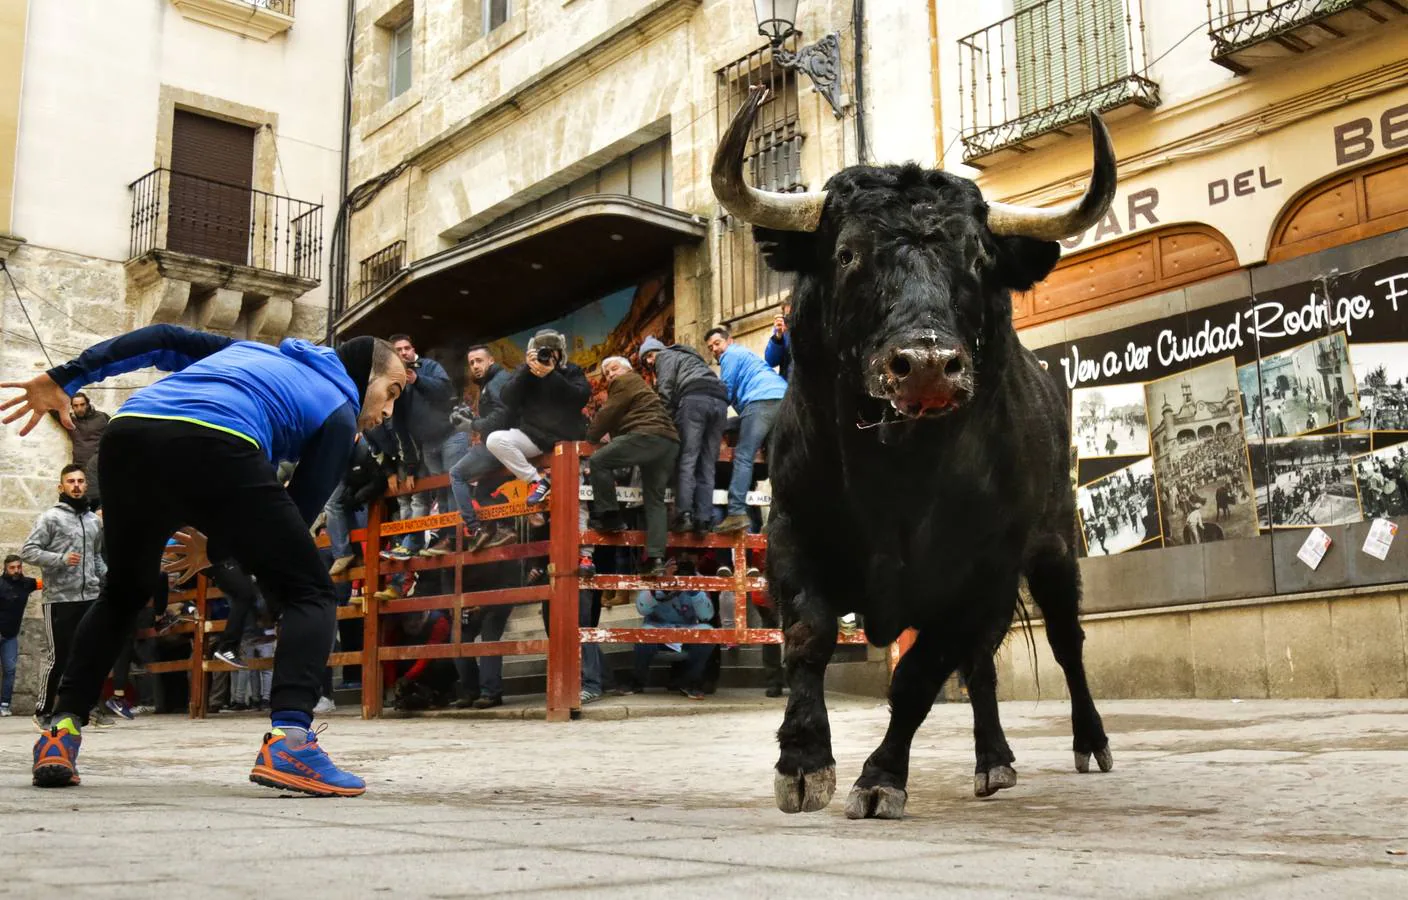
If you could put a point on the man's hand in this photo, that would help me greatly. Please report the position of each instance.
(779, 325)
(410, 483)
(393, 484)
(410, 376)
(41, 395)
(541, 370)
(73, 559)
(188, 556)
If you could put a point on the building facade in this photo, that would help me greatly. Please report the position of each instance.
(160, 161)
(1249, 279)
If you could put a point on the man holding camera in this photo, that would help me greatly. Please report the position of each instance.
(543, 405)
(428, 400)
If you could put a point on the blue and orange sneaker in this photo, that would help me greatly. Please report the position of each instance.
(56, 755)
(541, 489)
(305, 769)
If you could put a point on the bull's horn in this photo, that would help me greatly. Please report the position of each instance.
(768, 209)
(1073, 218)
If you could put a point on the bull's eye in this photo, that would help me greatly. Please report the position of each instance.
(845, 256)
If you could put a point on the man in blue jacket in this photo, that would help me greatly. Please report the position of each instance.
(428, 400)
(215, 430)
(675, 609)
(755, 391)
(778, 352)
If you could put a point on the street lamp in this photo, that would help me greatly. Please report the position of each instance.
(821, 61)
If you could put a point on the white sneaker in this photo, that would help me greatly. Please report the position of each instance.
(324, 705)
(5, 711)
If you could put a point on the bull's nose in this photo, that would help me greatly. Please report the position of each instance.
(928, 365)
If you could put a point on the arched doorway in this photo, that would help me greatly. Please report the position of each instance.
(1348, 206)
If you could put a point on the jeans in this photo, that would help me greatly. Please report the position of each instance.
(656, 457)
(436, 459)
(224, 486)
(472, 478)
(9, 658)
(339, 522)
(700, 420)
(512, 448)
(489, 622)
(754, 426)
(696, 655)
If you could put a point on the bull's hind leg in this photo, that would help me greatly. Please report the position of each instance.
(1054, 580)
(993, 771)
(881, 790)
(806, 770)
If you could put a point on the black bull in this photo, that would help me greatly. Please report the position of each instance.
(920, 461)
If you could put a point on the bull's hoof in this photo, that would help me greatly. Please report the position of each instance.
(1103, 758)
(878, 802)
(806, 792)
(998, 778)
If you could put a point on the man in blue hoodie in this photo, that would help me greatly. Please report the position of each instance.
(756, 392)
(675, 609)
(215, 430)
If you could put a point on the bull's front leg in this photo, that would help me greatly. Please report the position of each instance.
(806, 770)
(881, 790)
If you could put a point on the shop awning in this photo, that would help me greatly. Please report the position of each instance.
(529, 272)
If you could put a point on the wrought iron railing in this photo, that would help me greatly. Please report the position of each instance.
(1048, 65)
(278, 6)
(1237, 24)
(225, 222)
(380, 268)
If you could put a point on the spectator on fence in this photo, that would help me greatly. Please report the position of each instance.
(675, 609)
(66, 543)
(478, 473)
(543, 405)
(778, 352)
(643, 435)
(755, 391)
(89, 423)
(380, 462)
(15, 588)
(698, 402)
(428, 400)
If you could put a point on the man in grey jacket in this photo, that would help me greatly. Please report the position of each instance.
(67, 544)
(698, 402)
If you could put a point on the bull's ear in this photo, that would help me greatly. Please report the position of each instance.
(1023, 261)
(786, 251)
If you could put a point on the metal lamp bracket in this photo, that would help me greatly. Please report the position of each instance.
(821, 62)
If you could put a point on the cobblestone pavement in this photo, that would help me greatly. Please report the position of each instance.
(1207, 799)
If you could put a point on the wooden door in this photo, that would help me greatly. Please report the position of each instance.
(212, 174)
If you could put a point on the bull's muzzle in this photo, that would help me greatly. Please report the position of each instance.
(922, 376)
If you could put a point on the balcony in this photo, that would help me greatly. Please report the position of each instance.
(1032, 78)
(258, 19)
(1247, 34)
(220, 256)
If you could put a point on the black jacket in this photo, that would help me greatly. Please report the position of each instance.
(493, 412)
(14, 596)
(547, 409)
(428, 403)
(681, 371)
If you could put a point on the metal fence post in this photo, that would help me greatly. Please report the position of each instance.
(564, 646)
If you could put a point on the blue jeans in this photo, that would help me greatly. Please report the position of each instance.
(469, 480)
(436, 459)
(696, 655)
(341, 522)
(754, 426)
(700, 421)
(489, 670)
(9, 657)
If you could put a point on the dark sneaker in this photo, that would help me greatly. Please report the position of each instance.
(476, 537)
(732, 525)
(774, 690)
(609, 523)
(502, 535)
(683, 522)
(753, 572)
(589, 696)
(100, 719)
(725, 572)
(56, 755)
(692, 693)
(541, 490)
(119, 707)
(341, 565)
(488, 702)
(654, 567)
(230, 657)
(702, 527)
(304, 768)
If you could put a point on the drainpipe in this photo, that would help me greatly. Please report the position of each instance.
(338, 273)
(934, 84)
(858, 22)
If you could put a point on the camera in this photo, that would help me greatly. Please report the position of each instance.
(546, 355)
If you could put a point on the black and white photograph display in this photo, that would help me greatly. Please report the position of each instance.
(1382, 477)
(1109, 421)
(1381, 375)
(1119, 512)
(1200, 455)
(1307, 481)
(1302, 389)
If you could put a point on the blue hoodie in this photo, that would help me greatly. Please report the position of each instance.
(748, 378)
(278, 398)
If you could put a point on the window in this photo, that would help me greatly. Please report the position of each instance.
(1066, 48)
(401, 59)
(496, 13)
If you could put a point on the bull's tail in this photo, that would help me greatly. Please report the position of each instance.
(1024, 614)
